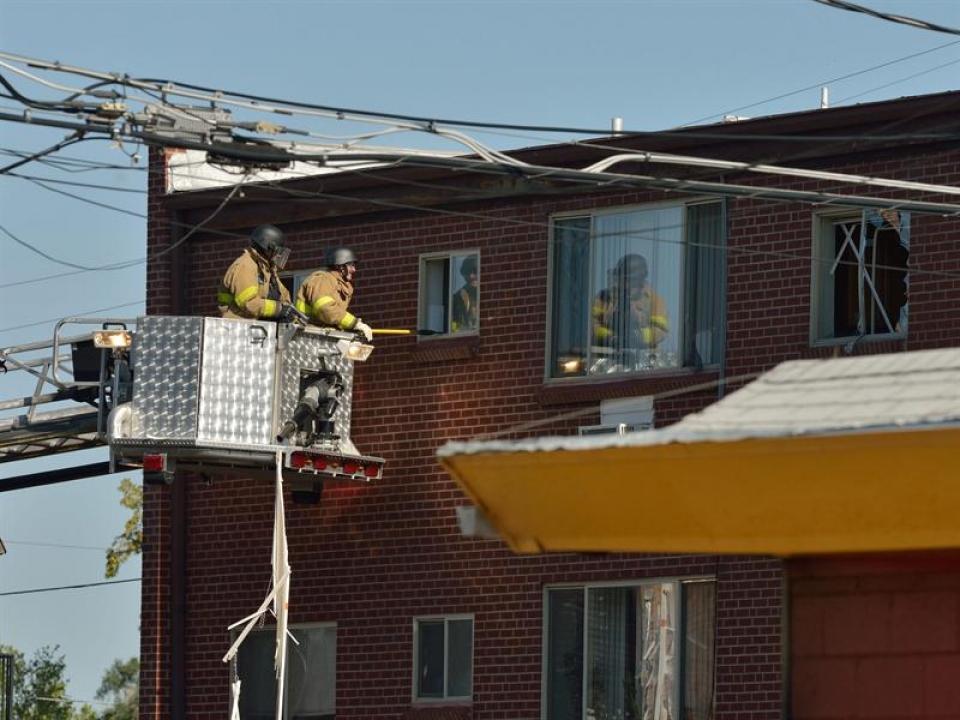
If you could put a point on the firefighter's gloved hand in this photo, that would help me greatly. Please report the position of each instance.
(366, 330)
(288, 313)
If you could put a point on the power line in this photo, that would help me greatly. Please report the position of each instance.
(822, 83)
(55, 545)
(57, 319)
(902, 19)
(896, 82)
(68, 587)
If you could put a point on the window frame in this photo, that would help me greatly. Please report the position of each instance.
(822, 231)
(682, 313)
(681, 583)
(446, 699)
(297, 279)
(422, 260)
(271, 630)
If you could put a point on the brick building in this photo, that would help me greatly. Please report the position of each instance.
(399, 615)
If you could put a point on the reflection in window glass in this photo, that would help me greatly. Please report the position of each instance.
(311, 674)
(617, 652)
(461, 658)
(450, 293)
(444, 662)
(431, 659)
(636, 290)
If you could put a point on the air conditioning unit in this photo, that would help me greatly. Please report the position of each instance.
(618, 429)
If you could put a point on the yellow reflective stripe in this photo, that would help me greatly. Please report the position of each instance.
(660, 321)
(248, 294)
(325, 300)
(224, 298)
(348, 321)
(302, 306)
(603, 332)
(270, 308)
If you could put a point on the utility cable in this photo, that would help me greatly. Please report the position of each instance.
(70, 140)
(822, 83)
(57, 319)
(68, 587)
(215, 96)
(902, 19)
(54, 545)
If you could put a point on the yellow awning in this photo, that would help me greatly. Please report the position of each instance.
(809, 494)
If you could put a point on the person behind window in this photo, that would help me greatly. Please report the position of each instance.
(325, 296)
(251, 287)
(629, 314)
(464, 302)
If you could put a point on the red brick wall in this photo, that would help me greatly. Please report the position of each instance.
(876, 637)
(371, 558)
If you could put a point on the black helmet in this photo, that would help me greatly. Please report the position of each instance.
(631, 269)
(469, 266)
(339, 256)
(269, 241)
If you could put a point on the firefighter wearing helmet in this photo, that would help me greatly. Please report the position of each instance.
(325, 296)
(630, 314)
(251, 287)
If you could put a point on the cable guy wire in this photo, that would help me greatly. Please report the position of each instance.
(902, 19)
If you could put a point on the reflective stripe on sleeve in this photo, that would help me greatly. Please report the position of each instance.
(248, 294)
(270, 308)
(660, 321)
(325, 300)
(348, 321)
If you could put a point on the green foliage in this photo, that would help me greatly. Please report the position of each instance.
(121, 687)
(130, 541)
(40, 688)
(39, 685)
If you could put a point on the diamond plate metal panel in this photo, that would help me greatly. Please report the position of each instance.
(312, 350)
(238, 368)
(166, 354)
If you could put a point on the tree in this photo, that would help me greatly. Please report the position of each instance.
(121, 687)
(130, 541)
(39, 685)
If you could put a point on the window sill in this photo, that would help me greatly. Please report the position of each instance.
(441, 710)
(564, 392)
(445, 349)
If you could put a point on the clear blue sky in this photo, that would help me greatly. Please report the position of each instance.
(656, 64)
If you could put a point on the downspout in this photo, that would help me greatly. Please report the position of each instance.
(724, 272)
(178, 513)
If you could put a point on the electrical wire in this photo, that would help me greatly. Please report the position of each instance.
(58, 319)
(822, 83)
(55, 545)
(894, 82)
(164, 88)
(902, 19)
(68, 587)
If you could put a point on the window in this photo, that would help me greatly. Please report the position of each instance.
(450, 293)
(310, 684)
(630, 652)
(443, 658)
(636, 290)
(293, 281)
(861, 282)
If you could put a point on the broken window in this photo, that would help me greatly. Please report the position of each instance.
(630, 652)
(636, 290)
(862, 280)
